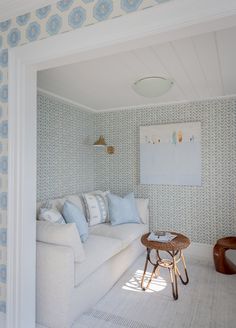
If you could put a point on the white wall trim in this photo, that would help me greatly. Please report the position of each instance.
(174, 20)
(2, 319)
(67, 100)
(21, 232)
(159, 22)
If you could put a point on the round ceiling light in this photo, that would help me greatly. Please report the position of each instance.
(152, 86)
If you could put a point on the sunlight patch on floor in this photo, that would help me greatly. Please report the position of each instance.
(134, 284)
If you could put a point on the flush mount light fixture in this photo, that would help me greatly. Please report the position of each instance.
(102, 143)
(152, 86)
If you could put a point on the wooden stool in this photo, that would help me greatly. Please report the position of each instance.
(222, 263)
(175, 249)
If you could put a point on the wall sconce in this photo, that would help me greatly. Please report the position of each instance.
(102, 143)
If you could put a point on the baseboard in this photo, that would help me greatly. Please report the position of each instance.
(2, 319)
(205, 252)
(200, 251)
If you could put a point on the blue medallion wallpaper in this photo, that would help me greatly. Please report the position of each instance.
(45, 22)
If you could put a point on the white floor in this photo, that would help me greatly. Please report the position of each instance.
(208, 301)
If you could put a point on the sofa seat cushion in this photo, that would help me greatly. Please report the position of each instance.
(126, 233)
(98, 249)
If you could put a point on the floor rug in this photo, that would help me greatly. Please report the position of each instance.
(209, 300)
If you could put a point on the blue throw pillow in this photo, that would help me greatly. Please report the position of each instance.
(122, 210)
(73, 214)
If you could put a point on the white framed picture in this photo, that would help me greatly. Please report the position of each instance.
(171, 154)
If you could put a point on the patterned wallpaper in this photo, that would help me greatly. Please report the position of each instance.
(204, 213)
(65, 156)
(45, 22)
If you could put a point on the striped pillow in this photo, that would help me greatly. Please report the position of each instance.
(96, 207)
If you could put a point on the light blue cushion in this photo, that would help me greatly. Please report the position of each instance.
(122, 210)
(73, 214)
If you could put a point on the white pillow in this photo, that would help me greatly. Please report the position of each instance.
(63, 235)
(96, 207)
(56, 203)
(143, 209)
(52, 215)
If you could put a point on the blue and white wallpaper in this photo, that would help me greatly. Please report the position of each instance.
(45, 22)
(205, 213)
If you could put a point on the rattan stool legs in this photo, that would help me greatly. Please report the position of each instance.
(171, 265)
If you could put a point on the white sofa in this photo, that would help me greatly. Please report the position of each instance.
(67, 287)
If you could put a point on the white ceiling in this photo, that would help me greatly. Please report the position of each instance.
(12, 8)
(202, 67)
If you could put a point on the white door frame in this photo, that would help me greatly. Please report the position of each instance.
(177, 19)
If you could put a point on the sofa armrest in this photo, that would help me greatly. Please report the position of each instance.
(143, 209)
(54, 284)
(63, 235)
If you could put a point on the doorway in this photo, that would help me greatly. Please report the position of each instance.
(154, 25)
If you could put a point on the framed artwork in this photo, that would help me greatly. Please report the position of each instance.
(171, 154)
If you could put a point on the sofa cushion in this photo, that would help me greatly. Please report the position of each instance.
(98, 249)
(58, 203)
(75, 199)
(73, 214)
(52, 215)
(122, 210)
(126, 233)
(96, 207)
(61, 234)
(55, 203)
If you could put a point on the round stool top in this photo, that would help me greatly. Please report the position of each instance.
(178, 243)
(227, 242)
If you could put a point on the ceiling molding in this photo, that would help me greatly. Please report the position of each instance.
(67, 100)
(155, 105)
(13, 8)
(142, 106)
